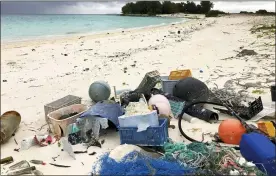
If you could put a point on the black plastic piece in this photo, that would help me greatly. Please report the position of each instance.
(273, 93)
(246, 112)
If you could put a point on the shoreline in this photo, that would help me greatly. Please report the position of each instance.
(91, 35)
(73, 35)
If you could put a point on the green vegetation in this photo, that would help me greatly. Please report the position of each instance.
(263, 30)
(258, 92)
(264, 12)
(155, 7)
(214, 13)
(259, 12)
(245, 12)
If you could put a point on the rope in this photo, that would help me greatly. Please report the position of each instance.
(206, 158)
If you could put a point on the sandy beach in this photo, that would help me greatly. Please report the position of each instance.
(34, 73)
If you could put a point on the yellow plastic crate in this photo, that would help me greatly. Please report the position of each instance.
(267, 127)
(180, 74)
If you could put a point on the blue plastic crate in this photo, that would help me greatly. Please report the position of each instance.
(153, 136)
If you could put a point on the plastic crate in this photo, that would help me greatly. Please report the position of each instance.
(180, 74)
(153, 136)
(148, 82)
(60, 103)
(168, 85)
(267, 127)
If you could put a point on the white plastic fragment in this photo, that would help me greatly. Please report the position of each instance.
(234, 172)
(30, 141)
(67, 147)
(250, 164)
(241, 161)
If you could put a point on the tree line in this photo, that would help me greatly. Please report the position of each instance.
(166, 7)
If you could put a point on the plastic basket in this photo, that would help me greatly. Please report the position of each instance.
(148, 82)
(153, 136)
(60, 103)
(168, 85)
(180, 74)
(60, 126)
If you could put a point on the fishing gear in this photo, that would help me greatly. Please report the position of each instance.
(249, 128)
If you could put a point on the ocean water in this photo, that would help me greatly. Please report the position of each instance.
(22, 27)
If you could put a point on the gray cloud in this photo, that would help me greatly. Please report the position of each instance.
(112, 7)
(54, 7)
(237, 6)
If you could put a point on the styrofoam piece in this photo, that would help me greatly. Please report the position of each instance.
(142, 122)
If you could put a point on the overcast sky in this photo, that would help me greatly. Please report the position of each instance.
(114, 7)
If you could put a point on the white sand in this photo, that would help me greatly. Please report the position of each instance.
(35, 78)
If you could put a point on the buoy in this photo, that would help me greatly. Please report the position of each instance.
(99, 90)
(163, 108)
(162, 103)
(230, 131)
(191, 89)
(158, 98)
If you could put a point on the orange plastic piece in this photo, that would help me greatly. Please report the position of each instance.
(230, 131)
(180, 74)
(267, 127)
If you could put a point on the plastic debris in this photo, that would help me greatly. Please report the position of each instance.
(105, 109)
(20, 165)
(37, 162)
(67, 147)
(93, 153)
(6, 160)
(37, 172)
(58, 165)
(93, 124)
(41, 140)
(27, 170)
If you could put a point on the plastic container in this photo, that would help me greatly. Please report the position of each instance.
(258, 149)
(60, 126)
(180, 74)
(273, 93)
(168, 85)
(267, 127)
(153, 136)
(60, 103)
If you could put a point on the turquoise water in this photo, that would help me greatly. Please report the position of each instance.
(21, 27)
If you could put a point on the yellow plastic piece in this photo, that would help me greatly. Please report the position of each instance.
(180, 74)
(267, 127)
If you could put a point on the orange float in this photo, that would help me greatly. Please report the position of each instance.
(230, 131)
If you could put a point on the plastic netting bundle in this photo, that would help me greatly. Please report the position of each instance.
(136, 163)
(207, 159)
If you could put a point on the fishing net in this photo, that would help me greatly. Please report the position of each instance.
(208, 159)
(136, 163)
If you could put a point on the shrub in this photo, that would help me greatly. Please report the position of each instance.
(214, 13)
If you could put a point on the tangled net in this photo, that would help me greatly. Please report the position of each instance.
(207, 159)
(136, 163)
